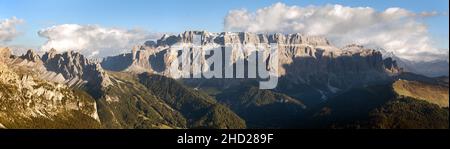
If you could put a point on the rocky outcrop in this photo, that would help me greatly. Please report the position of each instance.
(75, 67)
(136, 61)
(31, 56)
(391, 66)
(70, 68)
(24, 97)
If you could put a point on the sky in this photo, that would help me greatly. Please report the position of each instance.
(135, 20)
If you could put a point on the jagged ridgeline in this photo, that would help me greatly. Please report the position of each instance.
(29, 101)
(319, 86)
(62, 90)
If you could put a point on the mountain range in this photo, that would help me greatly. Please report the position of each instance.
(434, 68)
(319, 86)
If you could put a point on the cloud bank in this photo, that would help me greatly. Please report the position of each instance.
(8, 29)
(93, 40)
(394, 29)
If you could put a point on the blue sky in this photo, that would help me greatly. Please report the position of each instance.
(180, 15)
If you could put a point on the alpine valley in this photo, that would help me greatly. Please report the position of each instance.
(320, 86)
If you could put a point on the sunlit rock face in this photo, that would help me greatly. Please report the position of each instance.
(75, 67)
(310, 61)
(26, 97)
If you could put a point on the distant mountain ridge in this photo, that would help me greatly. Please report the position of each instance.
(435, 68)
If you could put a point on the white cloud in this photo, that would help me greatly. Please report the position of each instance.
(394, 29)
(8, 29)
(93, 40)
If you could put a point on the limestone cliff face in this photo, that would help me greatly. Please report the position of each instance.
(75, 67)
(308, 60)
(136, 61)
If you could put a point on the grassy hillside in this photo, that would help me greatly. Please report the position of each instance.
(431, 93)
(378, 107)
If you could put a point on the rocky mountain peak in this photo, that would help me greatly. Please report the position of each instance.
(49, 55)
(74, 66)
(31, 56)
(391, 66)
